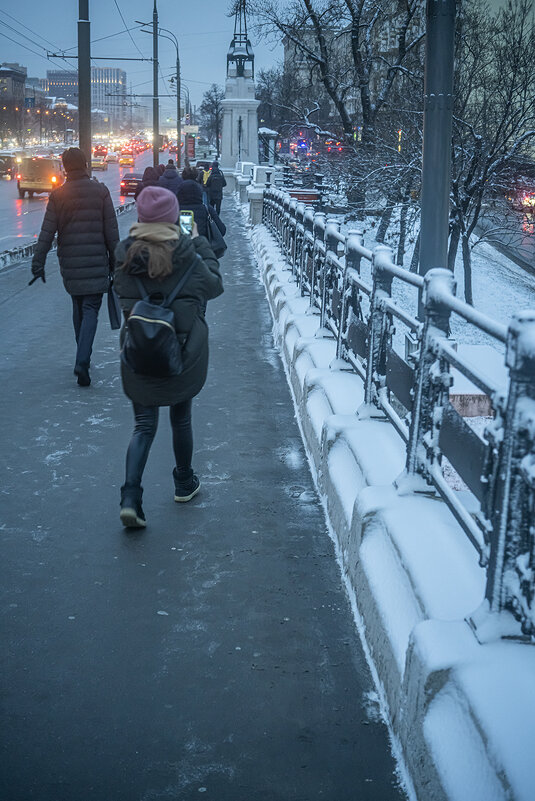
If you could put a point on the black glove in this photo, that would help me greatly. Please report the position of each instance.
(38, 272)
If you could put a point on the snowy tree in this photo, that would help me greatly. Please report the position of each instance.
(356, 51)
(494, 122)
(211, 112)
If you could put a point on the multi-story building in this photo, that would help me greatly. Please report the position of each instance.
(108, 91)
(12, 82)
(63, 83)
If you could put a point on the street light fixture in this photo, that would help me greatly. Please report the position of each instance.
(172, 38)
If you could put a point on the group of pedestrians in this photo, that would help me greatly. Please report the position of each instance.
(156, 263)
(211, 180)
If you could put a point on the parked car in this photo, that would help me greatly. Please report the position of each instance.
(99, 164)
(130, 183)
(126, 161)
(112, 158)
(37, 175)
(8, 164)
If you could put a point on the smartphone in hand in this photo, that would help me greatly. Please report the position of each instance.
(186, 222)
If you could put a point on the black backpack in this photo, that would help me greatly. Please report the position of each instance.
(151, 345)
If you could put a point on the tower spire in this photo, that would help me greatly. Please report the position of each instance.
(241, 51)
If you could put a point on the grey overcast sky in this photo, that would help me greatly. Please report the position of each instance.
(202, 27)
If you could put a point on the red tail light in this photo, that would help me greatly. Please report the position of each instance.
(19, 176)
(122, 183)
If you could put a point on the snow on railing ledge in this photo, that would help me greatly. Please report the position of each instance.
(413, 393)
(26, 251)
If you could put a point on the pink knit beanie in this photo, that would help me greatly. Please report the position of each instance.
(156, 204)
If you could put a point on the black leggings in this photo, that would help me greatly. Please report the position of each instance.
(143, 436)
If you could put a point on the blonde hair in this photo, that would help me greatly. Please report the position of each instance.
(159, 256)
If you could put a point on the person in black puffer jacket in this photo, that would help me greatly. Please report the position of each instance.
(158, 255)
(170, 179)
(214, 186)
(190, 199)
(151, 177)
(82, 213)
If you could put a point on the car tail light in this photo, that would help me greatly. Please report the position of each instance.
(53, 179)
(122, 183)
(19, 176)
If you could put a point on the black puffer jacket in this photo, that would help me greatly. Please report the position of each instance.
(203, 284)
(170, 179)
(215, 184)
(82, 213)
(190, 199)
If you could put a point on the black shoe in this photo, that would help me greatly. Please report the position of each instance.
(131, 510)
(186, 490)
(82, 373)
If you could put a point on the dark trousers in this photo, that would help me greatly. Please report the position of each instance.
(85, 310)
(144, 432)
(216, 203)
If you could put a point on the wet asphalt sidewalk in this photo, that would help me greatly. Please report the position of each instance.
(212, 655)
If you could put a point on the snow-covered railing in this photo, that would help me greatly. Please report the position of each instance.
(22, 252)
(413, 393)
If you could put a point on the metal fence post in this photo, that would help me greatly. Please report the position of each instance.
(332, 228)
(354, 240)
(511, 568)
(318, 186)
(317, 257)
(286, 176)
(308, 223)
(299, 234)
(431, 390)
(377, 329)
(285, 225)
(292, 232)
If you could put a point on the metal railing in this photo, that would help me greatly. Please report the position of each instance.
(26, 251)
(413, 393)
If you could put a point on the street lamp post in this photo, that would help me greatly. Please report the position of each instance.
(172, 38)
(155, 102)
(84, 79)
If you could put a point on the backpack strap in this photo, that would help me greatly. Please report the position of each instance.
(170, 298)
(141, 288)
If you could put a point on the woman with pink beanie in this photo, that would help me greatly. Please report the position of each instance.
(156, 255)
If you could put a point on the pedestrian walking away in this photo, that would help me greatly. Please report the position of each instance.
(190, 199)
(214, 187)
(157, 261)
(203, 176)
(81, 212)
(170, 179)
(151, 177)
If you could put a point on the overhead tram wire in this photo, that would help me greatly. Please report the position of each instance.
(101, 38)
(21, 24)
(21, 44)
(19, 33)
(127, 29)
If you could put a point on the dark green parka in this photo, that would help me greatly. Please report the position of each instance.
(203, 284)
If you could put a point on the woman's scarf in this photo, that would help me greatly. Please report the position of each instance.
(155, 232)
